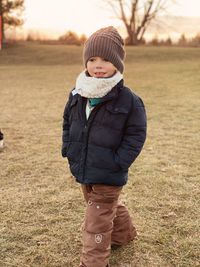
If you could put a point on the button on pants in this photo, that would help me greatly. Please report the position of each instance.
(106, 222)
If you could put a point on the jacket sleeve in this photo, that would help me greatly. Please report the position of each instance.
(66, 125)
(134, 135)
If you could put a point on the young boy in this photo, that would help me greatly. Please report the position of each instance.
(104, 130)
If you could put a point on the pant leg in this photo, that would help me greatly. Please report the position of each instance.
(123, 229)
(98, 224)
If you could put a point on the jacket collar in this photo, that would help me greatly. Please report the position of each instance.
(114, 92)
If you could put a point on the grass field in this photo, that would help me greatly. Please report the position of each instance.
(42, 207)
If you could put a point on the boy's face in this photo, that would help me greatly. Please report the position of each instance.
(100, 68)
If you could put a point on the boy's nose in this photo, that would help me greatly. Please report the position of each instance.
(98, 67)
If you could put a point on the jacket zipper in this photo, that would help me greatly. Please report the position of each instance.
(87, 126)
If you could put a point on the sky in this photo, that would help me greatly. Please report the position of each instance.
(85, 16)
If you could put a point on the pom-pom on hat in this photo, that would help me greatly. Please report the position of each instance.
(108, 44)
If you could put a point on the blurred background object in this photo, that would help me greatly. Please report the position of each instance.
(1, 140)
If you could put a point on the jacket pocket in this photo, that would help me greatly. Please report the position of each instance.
(74, 167)
(73, 156)
(73, 151)
(64, 149)
(102, 158)
(117, 110)
(116, 117)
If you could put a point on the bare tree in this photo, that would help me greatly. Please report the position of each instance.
(10, 12)
(137, 15)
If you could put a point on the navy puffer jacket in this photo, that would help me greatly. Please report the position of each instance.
(101, 149)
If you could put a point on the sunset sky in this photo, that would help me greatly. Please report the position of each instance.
(85, 16)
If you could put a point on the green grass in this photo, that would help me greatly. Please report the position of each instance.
(42, 207)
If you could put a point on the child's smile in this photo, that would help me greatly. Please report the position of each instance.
(99, 74)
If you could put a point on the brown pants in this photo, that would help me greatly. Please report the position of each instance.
(107, 222)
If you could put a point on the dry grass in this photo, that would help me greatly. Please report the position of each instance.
(41, 206)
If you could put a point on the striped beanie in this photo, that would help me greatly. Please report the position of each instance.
(108, 44)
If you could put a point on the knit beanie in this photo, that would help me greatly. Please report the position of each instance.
(108, 44)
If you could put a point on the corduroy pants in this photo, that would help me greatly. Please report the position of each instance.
(107, 222)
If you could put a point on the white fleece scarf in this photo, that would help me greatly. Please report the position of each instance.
(92, 87)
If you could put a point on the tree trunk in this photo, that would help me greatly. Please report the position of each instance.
(132, 39)
(138, 18)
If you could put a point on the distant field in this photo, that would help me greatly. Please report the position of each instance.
(42, 207)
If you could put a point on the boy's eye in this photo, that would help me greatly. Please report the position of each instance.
(92, 59)
(105, 59)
